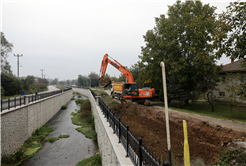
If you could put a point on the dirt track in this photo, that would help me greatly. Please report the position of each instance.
(207, 136)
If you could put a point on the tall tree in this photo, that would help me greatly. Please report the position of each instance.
(183, 40)
(28, 83)
(230, 38)
(82, 80)
(6, 48)
(93, 79)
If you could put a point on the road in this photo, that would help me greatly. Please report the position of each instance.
(52, 88)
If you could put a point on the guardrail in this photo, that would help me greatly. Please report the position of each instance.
(135, 149)
(19, 101)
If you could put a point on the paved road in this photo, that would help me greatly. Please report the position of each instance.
(65, 151)
(52, 88)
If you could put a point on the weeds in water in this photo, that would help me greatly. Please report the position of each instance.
(64, 107)
(52, 139)
(63, 136)
(93, 160)
(30, 147)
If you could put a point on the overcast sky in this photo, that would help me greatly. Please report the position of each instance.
(68, 38)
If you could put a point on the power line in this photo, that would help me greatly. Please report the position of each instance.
(18, 62)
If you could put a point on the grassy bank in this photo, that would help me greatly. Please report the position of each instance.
(221, 110)
(91, 161)
(29, 148)
(85, 119)
(107, 99)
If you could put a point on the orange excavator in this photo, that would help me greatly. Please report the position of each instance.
(129, 90)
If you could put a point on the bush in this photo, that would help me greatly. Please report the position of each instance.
(64, 107)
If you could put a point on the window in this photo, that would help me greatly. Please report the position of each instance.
(221, 94)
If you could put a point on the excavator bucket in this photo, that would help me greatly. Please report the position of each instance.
(104, 83)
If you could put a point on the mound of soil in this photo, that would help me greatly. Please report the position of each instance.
(206, 142)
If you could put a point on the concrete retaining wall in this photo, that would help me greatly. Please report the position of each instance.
(18, 124)
(112, 152)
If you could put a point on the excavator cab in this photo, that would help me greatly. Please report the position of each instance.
(130, 89)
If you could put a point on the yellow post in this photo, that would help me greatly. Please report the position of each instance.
(186, 145)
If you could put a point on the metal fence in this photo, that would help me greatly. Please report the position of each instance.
(18, 101)
(135, 149)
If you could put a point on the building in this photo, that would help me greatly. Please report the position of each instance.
(234, 67)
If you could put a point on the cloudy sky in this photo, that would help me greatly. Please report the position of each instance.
(68, 38)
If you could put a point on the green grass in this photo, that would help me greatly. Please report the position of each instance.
(52, 139)
(91, 161)
(8, 97)
(29, 148)
(221, 110)
(107, 99)
(84, 118)
(88, 131)
(63, 136)
(63, 107)
(60, 87)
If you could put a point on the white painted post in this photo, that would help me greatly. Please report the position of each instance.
(166, 112)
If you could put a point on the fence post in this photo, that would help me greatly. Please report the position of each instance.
(127, 130)
(107, 114)
(8, 104)
(15, 102)
(119, 131)
(1, 105)
(20, 100)
(114, 122)
(32, 98)
(139, 150)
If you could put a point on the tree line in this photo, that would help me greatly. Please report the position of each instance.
(189, 39)
(12, 85)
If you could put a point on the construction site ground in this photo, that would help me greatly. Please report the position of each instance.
(207, 136)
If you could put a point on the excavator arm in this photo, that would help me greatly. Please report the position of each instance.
(116, 65)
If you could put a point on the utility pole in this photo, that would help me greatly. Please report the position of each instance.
(42, 72)
(18, 62)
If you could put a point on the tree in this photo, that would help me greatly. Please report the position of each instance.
(230, 38)
(82, 80)
(2, 92)
(93, 79)
(183, 40)
(11, 84)
(29, 84)
(55, 81)
(6, 48)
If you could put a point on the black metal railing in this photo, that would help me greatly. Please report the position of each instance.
(135, 149)
(19, 101)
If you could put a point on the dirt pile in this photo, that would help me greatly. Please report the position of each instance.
(205, 141)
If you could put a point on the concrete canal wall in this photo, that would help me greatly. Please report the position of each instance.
(17, 124)
(112, 152)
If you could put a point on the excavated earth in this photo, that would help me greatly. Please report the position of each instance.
(206, 141)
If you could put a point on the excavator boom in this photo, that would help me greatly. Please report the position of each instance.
(115, 64)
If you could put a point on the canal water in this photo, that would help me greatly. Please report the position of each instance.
(65, 151)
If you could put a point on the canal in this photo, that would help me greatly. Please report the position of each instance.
(65, 151)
